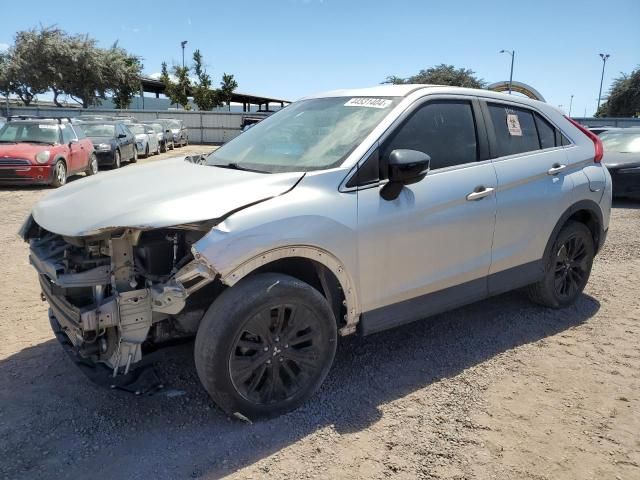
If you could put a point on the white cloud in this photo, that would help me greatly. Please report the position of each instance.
(4, 47)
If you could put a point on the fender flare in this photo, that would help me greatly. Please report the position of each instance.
(588, 205)
(313, 253)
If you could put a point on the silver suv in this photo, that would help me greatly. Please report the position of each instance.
(351, 211)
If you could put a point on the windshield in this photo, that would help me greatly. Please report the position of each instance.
(174, 124)
(98, 130)
(622, 142)
(312, 134)
(137, 129)
(29, 133)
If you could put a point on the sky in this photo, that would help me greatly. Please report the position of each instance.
(291, 48)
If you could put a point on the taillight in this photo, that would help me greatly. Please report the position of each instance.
(594, 138)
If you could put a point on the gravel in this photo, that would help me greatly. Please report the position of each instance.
(499, 389)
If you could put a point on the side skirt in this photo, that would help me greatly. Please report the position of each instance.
(422, 307)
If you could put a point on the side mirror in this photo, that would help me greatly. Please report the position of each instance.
(122, 135)
(405, 167)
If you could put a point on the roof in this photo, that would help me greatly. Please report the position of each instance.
(405, 90)
(384, 90)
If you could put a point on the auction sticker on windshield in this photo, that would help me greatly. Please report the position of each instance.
(368, 102)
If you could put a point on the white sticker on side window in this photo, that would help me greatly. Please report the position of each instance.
(368, 102)
(514, 125)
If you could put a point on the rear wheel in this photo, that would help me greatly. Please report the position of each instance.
(146, 151)
(92, 168)
(567, 269)
(117, 161)
(59, 174)
(265, 345)
(135, 154)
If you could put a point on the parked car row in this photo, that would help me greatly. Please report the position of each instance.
(49, 150)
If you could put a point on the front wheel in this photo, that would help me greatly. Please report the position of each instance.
(567, 269)
(117, 161)
(134, 159)
(265, 345)
(59, 174)
(92, 168)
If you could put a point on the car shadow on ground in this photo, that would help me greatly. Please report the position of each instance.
(626, 203)
(60, 422)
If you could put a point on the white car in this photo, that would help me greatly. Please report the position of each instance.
(349, 212)
(146, 139)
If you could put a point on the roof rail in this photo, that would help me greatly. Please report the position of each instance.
(32, 117)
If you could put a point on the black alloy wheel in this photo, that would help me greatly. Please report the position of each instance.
(276, 354)
(572, 267)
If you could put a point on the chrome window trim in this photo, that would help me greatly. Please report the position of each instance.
(410, 108)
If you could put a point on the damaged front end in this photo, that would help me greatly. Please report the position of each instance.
(121, 292)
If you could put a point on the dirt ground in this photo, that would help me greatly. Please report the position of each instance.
(501, 389)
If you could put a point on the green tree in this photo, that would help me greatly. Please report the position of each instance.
(624, 97)
(177, 91)
(204, 96)
(26, 66)
(227, 86)
(123, 75)
(442, 75)
(48, 58)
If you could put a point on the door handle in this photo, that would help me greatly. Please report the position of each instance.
(480, 192)
(556, 169)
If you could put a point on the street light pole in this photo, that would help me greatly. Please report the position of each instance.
(183, 43)
(513, 54)
(570, 105)
(604, 57)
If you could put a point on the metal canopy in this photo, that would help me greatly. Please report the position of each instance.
(152, 85)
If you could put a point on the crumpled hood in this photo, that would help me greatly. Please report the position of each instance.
(26, 151)
(159, 194)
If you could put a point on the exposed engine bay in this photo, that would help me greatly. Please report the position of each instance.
(120, 292)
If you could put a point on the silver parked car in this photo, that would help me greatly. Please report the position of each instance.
(352, 211)
(146, 139)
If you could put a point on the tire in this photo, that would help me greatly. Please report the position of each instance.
(59, 174)
(92, 168)
(173, 145)
(163, 147)
(157, 149)
(117, 161)
(279, 313)
(146, 151)
(567, 267)
(134, 159)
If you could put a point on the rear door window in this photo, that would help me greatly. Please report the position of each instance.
(443, 129)
(546, 132)
(515, 129)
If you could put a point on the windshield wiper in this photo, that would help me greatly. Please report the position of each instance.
(7, 141)
(235, 166)
(40, 142)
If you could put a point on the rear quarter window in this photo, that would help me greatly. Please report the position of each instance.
(515, 129)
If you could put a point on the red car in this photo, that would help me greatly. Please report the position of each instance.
(44, 151)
